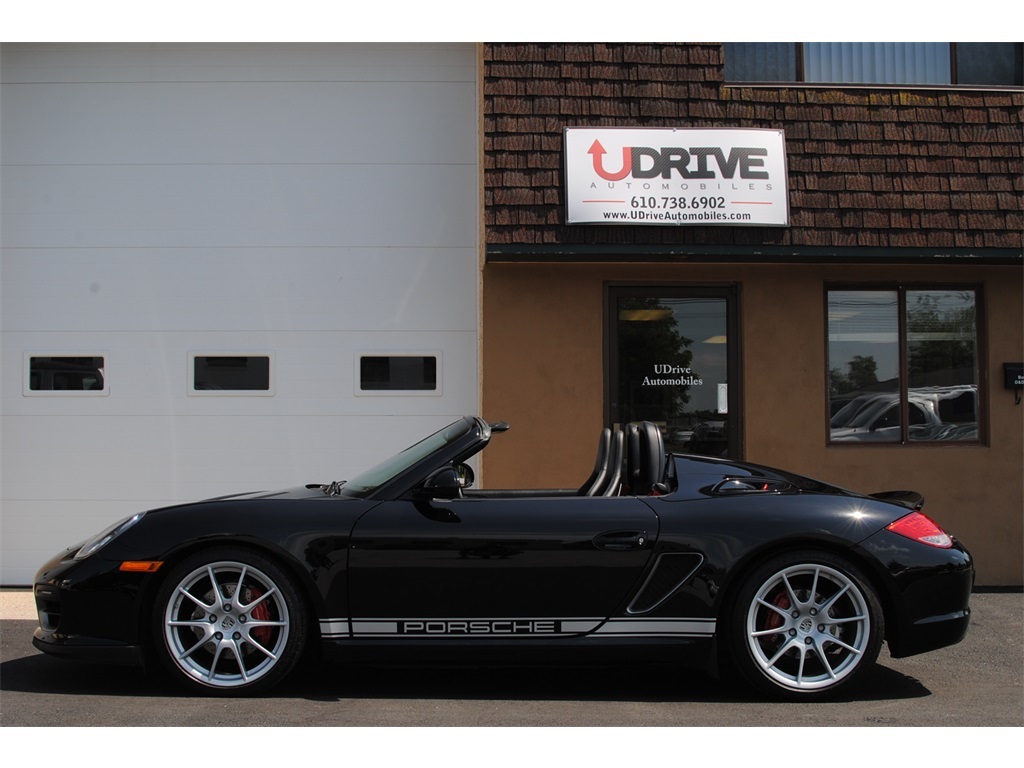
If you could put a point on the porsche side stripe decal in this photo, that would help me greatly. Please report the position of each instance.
(476, 626)
(656, 627)
(535, 627)
(334, 628)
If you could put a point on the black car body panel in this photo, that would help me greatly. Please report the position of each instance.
(931, 590)
(404, 557)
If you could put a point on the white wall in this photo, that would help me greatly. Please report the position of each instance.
(306, 201)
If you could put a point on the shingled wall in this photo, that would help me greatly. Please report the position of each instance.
(887, 168)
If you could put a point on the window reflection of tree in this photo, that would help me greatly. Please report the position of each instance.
(648, 336)
(941, 338)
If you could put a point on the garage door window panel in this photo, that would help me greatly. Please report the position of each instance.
(65, 375)
(398, 374)
(231, 374)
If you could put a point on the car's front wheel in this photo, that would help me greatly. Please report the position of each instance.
(805, 626)
(229, 621)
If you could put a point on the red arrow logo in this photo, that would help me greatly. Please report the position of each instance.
(598, 152)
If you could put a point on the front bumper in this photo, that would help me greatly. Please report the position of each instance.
(93, 649)
(88, 610)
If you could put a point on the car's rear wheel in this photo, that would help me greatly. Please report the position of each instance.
(229, 621)
(805, 626)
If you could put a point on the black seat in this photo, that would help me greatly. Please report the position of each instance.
(649, 459)
(632, 462)
(615, 462)
(596, 482)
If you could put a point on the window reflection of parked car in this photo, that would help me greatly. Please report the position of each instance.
(935, 413)
(679, 437)
(709, 439)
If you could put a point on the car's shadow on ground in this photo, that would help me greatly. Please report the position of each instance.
(646, 683)
(344, 682)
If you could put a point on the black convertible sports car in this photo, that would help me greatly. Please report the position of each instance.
(790, 582)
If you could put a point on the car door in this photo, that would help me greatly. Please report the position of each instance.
(528, 566)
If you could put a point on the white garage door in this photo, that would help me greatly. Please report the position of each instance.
(226, 268)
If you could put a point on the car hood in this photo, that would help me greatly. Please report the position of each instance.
(314, 491)
(311, 492)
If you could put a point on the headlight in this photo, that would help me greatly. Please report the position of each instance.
(101, 540)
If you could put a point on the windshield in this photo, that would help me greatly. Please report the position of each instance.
(367, 482)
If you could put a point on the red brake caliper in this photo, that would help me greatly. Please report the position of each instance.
(774, 620)
(260, 613)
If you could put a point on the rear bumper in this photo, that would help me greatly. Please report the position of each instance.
(931, 633)
(928, 604)
(938, 616)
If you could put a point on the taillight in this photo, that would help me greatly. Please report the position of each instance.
(920, 527)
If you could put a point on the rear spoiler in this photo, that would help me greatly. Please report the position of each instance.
(909, 499)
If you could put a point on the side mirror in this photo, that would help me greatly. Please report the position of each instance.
(466, 476)
(444, 483)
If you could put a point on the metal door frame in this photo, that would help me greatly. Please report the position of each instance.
(730, 292)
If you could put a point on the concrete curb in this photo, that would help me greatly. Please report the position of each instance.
(17, 605)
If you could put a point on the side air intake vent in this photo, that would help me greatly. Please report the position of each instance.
(672, 570)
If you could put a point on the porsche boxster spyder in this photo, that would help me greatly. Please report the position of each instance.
(790, 583)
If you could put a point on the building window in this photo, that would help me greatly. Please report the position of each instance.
(230, 374)
(994, 64)
(65, 375)
(990, 63)
(903, 365)
(398, 374)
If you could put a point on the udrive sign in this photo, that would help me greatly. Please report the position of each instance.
(676, 176)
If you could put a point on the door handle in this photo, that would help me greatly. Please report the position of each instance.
(620, 541)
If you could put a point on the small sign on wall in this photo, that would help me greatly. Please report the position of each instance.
(676, 176)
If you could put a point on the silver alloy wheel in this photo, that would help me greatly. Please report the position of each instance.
(226, 624)
(808, 627)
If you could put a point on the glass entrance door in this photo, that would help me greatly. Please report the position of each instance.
(671, 358)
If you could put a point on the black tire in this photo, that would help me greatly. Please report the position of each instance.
(229, 621)
(805, 626)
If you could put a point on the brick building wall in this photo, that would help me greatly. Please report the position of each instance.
(868, 167)
(887, 187)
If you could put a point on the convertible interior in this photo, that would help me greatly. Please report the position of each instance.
(630, 461)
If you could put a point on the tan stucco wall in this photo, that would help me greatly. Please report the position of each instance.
(543, 372)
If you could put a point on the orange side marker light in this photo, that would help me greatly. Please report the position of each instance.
(140, 566)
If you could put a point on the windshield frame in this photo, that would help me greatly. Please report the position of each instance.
(465, 437)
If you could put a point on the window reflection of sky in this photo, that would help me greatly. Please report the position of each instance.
(864, 324)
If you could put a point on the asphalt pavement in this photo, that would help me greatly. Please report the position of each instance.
(979, 682)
